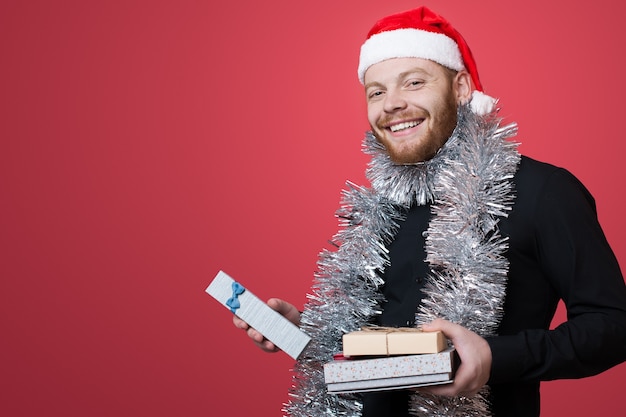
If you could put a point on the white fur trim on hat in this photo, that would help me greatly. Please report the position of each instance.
(409, 43)
(481, 103)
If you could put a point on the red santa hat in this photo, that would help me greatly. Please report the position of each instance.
(421, 33)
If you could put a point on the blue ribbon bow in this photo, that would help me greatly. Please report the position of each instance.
(233, 302)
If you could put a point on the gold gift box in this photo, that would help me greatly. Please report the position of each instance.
(385, 341)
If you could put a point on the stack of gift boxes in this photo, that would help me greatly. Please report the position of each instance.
(376, 359)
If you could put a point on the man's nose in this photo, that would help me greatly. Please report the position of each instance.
(394, 101)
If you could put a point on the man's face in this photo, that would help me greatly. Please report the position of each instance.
(412, 106)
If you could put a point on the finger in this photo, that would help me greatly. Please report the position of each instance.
(448, 390)
(269, 346)
(255, 335)
(453, 389)
(261, 341)
(459, 386)
(240, 324)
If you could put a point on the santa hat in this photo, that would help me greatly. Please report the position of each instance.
(421, 33)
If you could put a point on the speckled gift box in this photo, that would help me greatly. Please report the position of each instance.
(394, 372)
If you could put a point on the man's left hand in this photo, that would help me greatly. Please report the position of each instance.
(475, 353)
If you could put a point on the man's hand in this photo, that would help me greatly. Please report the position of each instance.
(284, 308)
(475, 354)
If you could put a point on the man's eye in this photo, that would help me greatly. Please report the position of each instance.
(375, 94)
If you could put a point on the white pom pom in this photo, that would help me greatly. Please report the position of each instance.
(481, 103)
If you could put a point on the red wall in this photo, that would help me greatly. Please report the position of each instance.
(148, 144)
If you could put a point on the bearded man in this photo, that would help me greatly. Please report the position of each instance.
(458, 233)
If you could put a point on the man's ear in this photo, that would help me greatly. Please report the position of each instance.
(463, 87)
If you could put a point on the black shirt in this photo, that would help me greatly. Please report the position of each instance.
(557, 250)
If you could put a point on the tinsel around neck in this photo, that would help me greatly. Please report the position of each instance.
(468, 184)
(415, 183)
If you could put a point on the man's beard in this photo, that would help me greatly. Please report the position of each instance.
(429, 144)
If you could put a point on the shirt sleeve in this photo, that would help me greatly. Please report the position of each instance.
(576, 259)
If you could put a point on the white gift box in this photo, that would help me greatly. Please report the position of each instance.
(245, 305)
(387, 373)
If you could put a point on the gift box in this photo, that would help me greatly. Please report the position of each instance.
(248, 307)
(392, 341)
(390, 373)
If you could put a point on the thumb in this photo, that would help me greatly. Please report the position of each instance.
(285, 309)
(448, 328)
(279, 305)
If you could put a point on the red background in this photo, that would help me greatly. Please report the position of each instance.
(146, 145)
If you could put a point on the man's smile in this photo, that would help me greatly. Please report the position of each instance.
(404, 125)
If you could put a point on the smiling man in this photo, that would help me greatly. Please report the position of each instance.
(458, 233)
(412, 106)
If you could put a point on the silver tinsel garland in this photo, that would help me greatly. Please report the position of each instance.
(469, 186)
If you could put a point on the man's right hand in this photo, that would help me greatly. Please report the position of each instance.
(284, 308)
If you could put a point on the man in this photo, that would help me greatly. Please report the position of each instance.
(458, 233)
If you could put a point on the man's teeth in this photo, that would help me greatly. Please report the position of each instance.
(402, 126)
